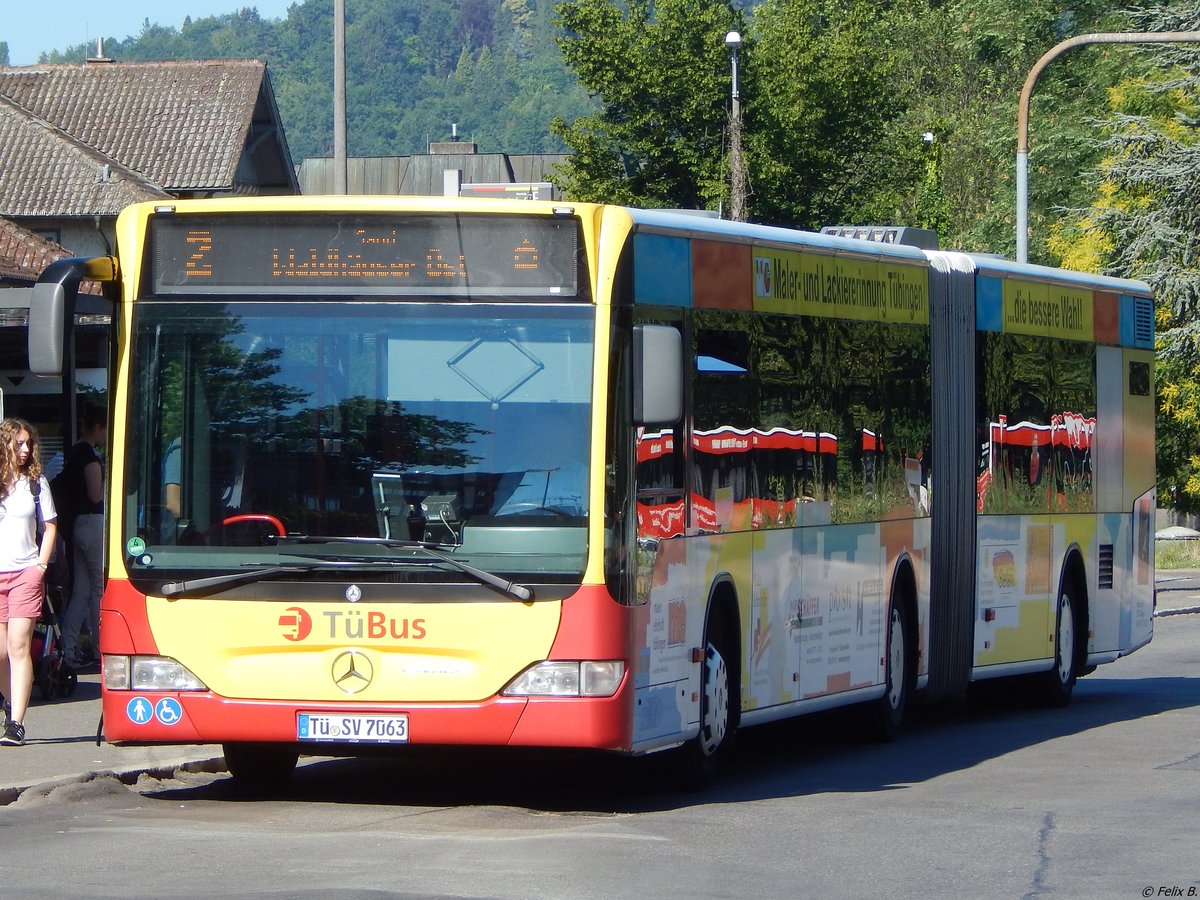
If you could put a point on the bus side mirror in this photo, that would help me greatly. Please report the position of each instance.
(52, 308)
(657, 374)
(47, 320)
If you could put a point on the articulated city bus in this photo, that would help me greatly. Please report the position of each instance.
(398, 471)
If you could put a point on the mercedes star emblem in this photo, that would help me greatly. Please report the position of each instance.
(352, 671)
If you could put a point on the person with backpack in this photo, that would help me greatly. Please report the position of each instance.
(84, 478)
(27, 529)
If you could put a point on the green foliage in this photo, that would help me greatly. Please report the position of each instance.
(1177, 554)
(814, 78)
(967, 63)
(853, 111)
(661, 71)
(1141, 222)
(819, 104)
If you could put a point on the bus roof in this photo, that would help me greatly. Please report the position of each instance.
(991, 265)
(680, 222)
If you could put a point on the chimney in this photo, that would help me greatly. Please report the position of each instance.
(100, 57)
(453, 145)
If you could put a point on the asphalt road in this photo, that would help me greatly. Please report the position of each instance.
(1101, 799)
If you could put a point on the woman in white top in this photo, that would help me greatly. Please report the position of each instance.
(23, 566)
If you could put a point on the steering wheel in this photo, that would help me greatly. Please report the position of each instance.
(242, 519)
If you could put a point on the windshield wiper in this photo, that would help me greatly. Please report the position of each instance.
(230, 579)
(511, 588)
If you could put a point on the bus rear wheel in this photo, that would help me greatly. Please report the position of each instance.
(1053, 689)
(888, 713)
(714, 718)
(260, 767)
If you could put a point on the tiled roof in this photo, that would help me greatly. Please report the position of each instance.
(72, 179)
(24, 254)
(175, 127)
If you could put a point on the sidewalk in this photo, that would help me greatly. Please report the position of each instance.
(1178, 592)
(61, 735)
(60, 746)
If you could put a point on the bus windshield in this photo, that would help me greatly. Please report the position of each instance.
(464, 426)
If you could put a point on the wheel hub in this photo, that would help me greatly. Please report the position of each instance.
(896, 673)
(715, 714)
(1066, 640)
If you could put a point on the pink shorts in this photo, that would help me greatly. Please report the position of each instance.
(21, 593)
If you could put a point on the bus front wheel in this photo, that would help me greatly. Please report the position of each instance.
(260, 767)
(702, 754)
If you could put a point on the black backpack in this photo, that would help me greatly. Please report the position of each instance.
(58, 572)
(61, 493)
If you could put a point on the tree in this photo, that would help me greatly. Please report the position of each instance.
(854, 111)
(1143, 223)
(815, 100)
(819, 105)
(661, 72)
(963, 70)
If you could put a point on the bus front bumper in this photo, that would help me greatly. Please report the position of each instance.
(148, 717)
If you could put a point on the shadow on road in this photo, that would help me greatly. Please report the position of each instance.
(942, 740)
(808, 756)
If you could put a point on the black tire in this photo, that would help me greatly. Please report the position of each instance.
(701, 755)
(260, 768)
(1053, 689)
(66, 680)
(887, 713)
(44, 678)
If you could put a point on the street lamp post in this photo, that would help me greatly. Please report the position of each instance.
(737, 169)
(339, 97)
(1132, 37)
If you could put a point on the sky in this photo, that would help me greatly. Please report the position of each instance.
(29, 32)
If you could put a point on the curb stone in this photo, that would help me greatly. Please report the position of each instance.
(127, 777)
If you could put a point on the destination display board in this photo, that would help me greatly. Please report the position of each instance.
(443, 254)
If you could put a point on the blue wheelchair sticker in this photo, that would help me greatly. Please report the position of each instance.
(168, 711)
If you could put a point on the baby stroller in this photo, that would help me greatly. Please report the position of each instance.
(52, 675)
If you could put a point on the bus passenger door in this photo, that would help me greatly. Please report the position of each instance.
(661, 589)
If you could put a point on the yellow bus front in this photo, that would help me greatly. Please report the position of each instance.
(355, 480)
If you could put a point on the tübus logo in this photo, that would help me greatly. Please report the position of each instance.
(351, 625)
(296, 622)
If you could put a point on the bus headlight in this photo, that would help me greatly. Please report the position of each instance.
(148, 673)
(562, 678)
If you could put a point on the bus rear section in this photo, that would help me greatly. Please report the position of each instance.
(1065, 480)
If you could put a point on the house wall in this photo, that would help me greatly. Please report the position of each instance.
(422, 175)
(83, 239)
